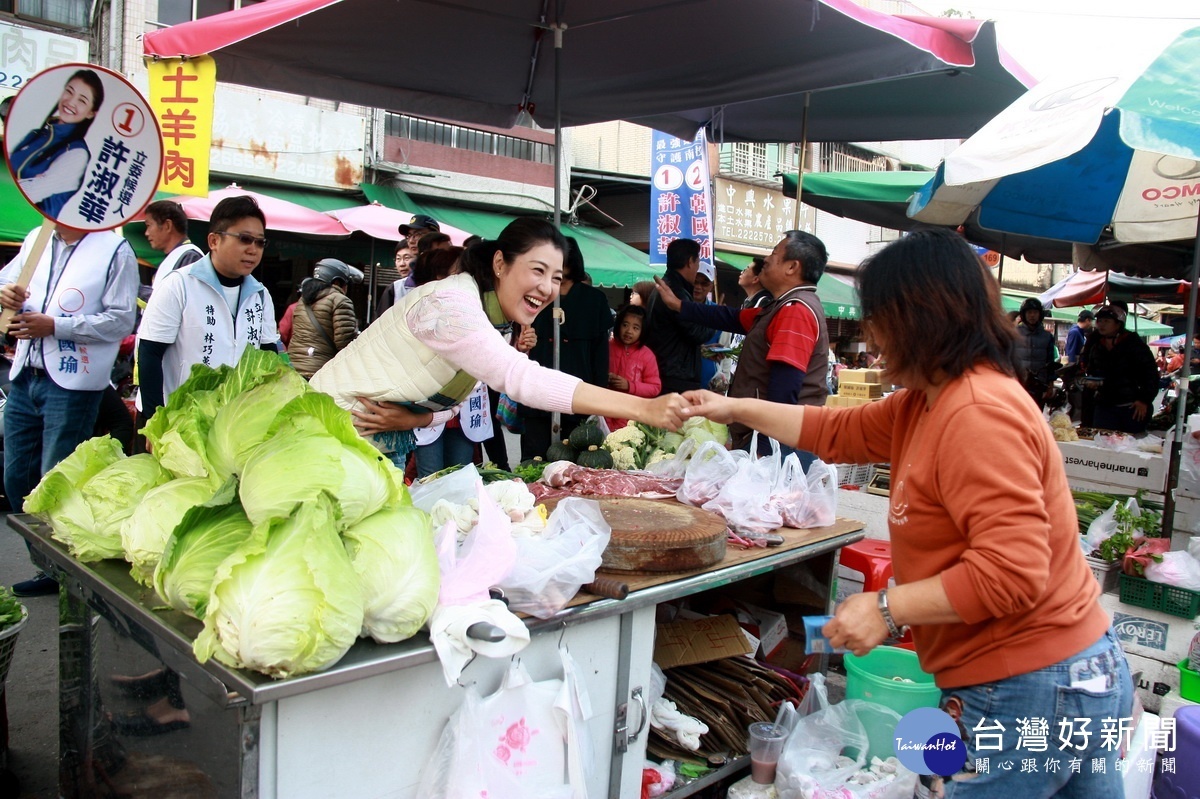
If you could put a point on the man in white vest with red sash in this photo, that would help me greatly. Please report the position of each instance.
(80, 303)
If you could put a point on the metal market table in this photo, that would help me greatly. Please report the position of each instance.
(366, 726)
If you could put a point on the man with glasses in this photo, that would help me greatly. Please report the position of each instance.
(211, 311)
(79, 304)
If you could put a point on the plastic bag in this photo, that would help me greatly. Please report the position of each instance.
(1177, 568)
(517, 743)
(791, 492)
(1102, 528)
(708, 470)
(822, 495)
(676, 467)
(457, 488)
(1189, 457)
(746, 498)
(827, 750)
(550, 568)
(815, 698)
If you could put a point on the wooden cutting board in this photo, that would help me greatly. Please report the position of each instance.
(650, 535)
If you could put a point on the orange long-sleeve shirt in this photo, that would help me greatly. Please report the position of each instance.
(978, 496)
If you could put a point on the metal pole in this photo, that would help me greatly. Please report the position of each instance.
(803, 156)
(558, 27)
(1182, 390)
(371, 284)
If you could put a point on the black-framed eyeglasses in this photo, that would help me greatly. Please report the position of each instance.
(246, 239)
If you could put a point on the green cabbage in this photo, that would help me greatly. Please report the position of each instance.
(392, 552)
(145, 533)
(178, 432)
(314, 447)
(113, 493)
(197, 546)
(700, 429)
(58, 499)
(288, 600)
(244, 421)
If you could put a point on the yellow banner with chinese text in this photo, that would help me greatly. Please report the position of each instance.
(181, 94)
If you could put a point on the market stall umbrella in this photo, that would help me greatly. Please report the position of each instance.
(1093, 288)
(380, 222)
(895, 77)
(281, 215)
(1083, 157)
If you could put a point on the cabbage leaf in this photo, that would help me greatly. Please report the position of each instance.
(58, 498)
(393, 554)
(198, 545)
(288, 600)
(145, 533)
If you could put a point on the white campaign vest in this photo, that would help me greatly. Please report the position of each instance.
(168, 263)
(209, 333)
(474, 416)
(78, 291)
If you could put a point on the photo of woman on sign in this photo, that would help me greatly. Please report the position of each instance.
(50, 162)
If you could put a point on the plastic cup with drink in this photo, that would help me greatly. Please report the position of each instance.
(766, 744)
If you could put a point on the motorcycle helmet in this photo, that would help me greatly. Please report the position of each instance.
(331, 269)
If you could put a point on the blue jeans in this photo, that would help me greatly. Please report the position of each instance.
(451, 449)
(1025, 700)
(42, 425)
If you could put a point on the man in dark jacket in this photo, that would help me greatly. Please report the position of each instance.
(1124, 374)
(674, 342)
(1036, 353)
(324, 322)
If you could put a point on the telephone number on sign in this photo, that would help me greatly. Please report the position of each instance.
(12, 81)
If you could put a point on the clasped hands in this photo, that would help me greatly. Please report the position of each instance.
(27, 325)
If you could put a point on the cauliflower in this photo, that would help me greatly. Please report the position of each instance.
(1065, 434)
(1059, 420)
(658, 455)
(630, 436)
(623, 457)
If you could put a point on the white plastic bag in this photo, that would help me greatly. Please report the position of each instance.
(827, 750)
(1189, 456)
(526, 741)
(815, 698)
(822, 495)
(745, 500)
(1102, 528)
(1176, 568)
(708, 470)
(791, 492)
(550, 568)
(457, 488)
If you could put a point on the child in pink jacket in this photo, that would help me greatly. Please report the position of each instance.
(632, 367)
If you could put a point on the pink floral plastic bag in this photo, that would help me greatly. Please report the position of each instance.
(526, 741)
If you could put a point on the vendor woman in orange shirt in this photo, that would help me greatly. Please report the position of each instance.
(985, 546)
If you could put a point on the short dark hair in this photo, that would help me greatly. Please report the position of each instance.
(1085, 315)
(435, 264)
(680, 253)
(518, 237)
(626, 311)
(756, 264)
(163, 211)
(573, 269)
(231, 209)
(937, 305)
(431, 240)
(809, 251)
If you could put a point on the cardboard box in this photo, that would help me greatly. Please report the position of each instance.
(1153, 680)
(860, 390)
(860, 376)
(1086, 461)
(1150, 633)
(688, 641)
(769, 627)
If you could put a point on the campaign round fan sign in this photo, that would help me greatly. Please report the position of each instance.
(83, 146)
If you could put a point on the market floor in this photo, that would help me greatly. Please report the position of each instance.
(31, 685)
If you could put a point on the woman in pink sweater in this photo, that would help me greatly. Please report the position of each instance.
(985, 545)
(632, 367)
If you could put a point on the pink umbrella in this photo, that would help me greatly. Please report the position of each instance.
(281, 215)
(380, 222)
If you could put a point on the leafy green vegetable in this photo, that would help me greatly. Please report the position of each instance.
(313, 448)
(145, 533)
(11, 611)
(58, 499)
(197, 546)
(245, 419)
(392, 552)
(288, 600)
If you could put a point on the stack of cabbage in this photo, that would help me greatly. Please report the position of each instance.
(262, 513)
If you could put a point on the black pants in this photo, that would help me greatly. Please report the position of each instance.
(114, 419)
(495, 448)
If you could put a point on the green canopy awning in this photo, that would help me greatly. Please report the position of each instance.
(610, 262)
(735, 259)
(839, 298)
